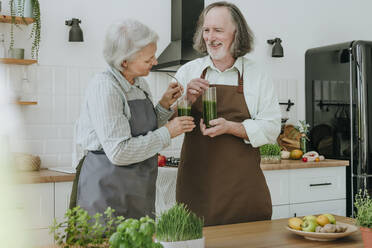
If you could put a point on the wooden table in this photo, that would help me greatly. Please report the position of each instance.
(270, 234)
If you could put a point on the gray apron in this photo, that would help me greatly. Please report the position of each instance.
(130, 190)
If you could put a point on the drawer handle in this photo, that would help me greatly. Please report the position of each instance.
(320, 184)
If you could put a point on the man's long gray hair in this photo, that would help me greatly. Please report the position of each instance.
(243, 41)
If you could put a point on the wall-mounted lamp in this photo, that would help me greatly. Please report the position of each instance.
(277, 48)
(76, 34)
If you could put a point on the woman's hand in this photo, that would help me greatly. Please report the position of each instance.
(195, 88)
(173, 92)
(180, 125)
(219, 126)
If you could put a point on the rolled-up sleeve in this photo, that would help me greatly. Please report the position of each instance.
(105, 106)
(264, 127)
(163, 114)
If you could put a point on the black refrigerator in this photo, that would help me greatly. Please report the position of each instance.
(338, 89)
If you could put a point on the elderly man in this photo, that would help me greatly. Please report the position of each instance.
(219, 177)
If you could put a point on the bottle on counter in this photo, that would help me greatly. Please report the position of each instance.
(303, 143)
(2, 46)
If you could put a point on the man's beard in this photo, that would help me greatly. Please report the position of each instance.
(216, 54)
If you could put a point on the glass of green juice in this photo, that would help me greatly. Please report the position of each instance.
(209, 99)
(183, 107)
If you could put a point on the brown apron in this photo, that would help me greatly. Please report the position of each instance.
(220, 178)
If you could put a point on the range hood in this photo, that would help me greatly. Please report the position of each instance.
(184, 17)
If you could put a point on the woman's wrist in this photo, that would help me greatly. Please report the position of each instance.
(164, 104)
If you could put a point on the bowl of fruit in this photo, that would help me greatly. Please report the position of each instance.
(321, 228)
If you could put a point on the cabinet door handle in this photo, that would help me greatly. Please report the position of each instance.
(320, 184)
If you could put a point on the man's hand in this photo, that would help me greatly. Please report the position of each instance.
(173, 92)
(195, 88)
(222, 126)
(219, 126)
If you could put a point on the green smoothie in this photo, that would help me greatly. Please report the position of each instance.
(209, 112)
(184, 111)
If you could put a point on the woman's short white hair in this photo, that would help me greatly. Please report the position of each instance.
(124, 39)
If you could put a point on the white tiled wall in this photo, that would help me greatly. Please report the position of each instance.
(48, 126)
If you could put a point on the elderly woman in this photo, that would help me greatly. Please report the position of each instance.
(120, 128)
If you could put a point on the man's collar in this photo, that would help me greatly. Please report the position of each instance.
(237, 65)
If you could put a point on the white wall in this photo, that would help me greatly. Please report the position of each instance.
(303, 24)
(95, 16)
(65, 67)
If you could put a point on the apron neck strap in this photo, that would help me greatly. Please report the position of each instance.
(240, 81)
(202, 76)
(240, 78)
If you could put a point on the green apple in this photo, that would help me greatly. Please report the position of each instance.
(310, 217)
(309, 226)
(331, 218)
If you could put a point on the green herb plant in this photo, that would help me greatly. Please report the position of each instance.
(179, 224)
(17, 6)
(81, 229)
(363, 205)
(270, 150)
(134, 233)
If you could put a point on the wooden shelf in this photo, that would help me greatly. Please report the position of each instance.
(26, 103)
(18, 19)
(18, 61)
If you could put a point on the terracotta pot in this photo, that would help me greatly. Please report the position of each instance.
(367, 236)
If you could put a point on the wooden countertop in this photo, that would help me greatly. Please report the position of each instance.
(298, 164)
(47, 176)
(43, 176)
(268, 234)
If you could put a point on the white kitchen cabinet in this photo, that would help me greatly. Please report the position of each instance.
(337, 207)
(37, 205)
(317, 184)
(278, 183)
(38, 237)
(280, 212)
(307, 191)
(34, 203)
(34, 206)
(62, 192)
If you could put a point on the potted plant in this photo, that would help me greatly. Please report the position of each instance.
(19, 8)
(79, 229)
(134, 233)
(270, 154)
(178, 227)
(363, 205)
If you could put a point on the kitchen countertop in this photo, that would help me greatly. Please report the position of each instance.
(269, 234)
(43, 176)
(298, 164)
(47, 176)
